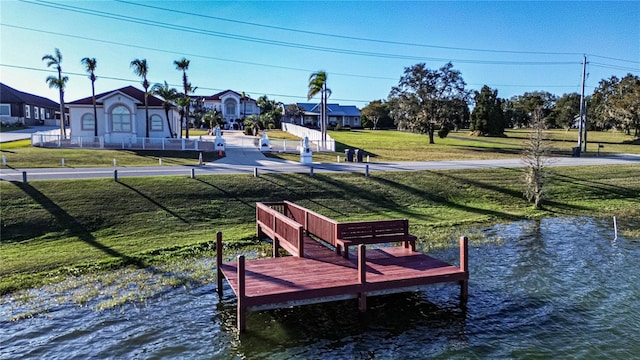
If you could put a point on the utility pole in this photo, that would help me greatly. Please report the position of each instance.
(582, 117)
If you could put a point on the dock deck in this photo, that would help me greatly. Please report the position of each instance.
(323, 276)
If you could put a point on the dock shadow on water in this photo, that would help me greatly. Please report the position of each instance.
(556, 288)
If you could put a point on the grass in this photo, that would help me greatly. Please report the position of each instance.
(384, 146)
(53, 230)
(379, 145)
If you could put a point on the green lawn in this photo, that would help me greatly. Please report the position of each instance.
(51, 229)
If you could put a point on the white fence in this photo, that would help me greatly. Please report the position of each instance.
(53, 139)
(314, 136)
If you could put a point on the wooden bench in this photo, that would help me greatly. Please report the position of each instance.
(373, 232)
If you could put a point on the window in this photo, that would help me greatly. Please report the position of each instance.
(87, 122)
(156, 123)
(42, 114)
(5, 110)
(230, 107)
(27, 111)
(36, 113)
(120, 119)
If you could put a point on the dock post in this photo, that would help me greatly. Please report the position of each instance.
(219, 262)
(242, 311)
(464, 266)
(362, 276)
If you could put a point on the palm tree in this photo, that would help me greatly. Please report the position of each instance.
(141, 69)
(90, 65)
(318, 84)
(168, 95)
(59, 83)
(183, 102)
(183, 64)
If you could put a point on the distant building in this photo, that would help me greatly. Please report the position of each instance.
(345, 115)
(21, 107)
(233, 107)
(121, 116)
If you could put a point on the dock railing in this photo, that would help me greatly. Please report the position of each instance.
(285, 232)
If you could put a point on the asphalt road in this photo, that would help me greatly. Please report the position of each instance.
(275, 166)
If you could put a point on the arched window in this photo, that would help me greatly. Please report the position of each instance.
(156, 123)
(230, 108)
(87, 122)
(120, 119)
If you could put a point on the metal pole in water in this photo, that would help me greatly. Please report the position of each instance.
(615, 229)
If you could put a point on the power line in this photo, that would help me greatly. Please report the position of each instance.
(192, 30)
(175, 11)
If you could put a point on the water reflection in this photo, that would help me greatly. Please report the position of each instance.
(553, 288)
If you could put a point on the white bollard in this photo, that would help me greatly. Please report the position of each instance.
(4, 160)
(200, 159)
(367, 158)
(160, 161)
(62, 162)
(115, 163)
(338, 157)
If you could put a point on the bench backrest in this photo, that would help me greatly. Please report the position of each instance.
(315, 224)
(372, 229)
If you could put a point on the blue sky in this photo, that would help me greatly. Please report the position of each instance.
(272, 47)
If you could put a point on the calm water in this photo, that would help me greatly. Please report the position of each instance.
(558, 288)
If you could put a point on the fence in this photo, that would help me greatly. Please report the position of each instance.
(52, 140)
(314, 136)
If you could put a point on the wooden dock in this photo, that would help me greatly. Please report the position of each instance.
(315, 273)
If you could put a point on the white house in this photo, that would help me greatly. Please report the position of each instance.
(345, 115)
(121, 116)
(233, 106)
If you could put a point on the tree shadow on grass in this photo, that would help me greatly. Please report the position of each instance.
(172, 213)
(242, 201)
(77, 229)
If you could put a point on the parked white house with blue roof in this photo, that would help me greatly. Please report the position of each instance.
(345, 115)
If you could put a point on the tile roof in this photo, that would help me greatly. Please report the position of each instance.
(219, 95)
(127, 90)
(332, 109)
(9, 95)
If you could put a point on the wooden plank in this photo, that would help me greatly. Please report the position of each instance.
(219, 263)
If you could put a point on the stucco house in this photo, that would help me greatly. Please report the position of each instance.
(121, 116)
(233, 106)
(20, 107)
(345, 115)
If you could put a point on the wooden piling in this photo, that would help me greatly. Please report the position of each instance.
(464, 266)
(219, 262)
(242, 311)
(362, 276)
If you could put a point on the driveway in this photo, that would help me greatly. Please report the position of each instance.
(23, 134)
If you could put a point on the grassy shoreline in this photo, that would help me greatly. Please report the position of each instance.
(54, 229)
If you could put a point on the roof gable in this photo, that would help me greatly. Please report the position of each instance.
(219, 95)
(129, 91)
(332, 109)
(9, 95)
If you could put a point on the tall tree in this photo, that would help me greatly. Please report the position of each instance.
(140, 68)
(294, 111)
(183, 65)
(183, 102)
(520, 108)
(90, 65)
(168, 95)
(59, 83)
(566, 109)
(318, 85)
(426, 99)
(270, 111)
(375, 113)
(618, 101)
(487, 117)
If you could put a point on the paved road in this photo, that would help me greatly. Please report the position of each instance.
(242, 158)
(265, 165)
